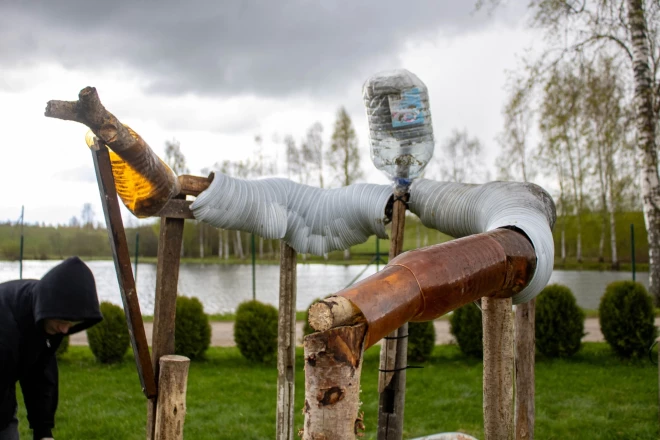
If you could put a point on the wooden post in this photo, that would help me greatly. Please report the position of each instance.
(333, 364)
(394, 349)
(172, 385)
(525, 351)
(122, 259)
(167, 278)
(498, 368)
(286, 344)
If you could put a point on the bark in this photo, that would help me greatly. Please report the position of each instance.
(286, 344)
(525, 388)
(157, 182)
(333, 365)
(172, 387)
(498, 368)
(646, 125)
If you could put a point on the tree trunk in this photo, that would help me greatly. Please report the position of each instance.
(200, 230)
(220, 246)
(563, 244)
(225, 240)
(333, 365)
(612, 222)
(172, 386)
(525, 389)
(238, 249)
(646, 126)
(261, 248)
(498, 368)
(286, 344)
(347, 254)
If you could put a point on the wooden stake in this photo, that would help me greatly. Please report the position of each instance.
(286, 344)
(172, 385)
(394, 349)
(525, 351)
(167, 278)
(498, 368)
(333, 364)
(122, 259)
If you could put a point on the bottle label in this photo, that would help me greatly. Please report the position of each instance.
(406, 109)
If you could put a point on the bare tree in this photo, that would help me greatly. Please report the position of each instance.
(175, 158)
(87, 216)
(312, 150)
(460, 158)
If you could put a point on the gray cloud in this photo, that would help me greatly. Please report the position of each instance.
(206, 47)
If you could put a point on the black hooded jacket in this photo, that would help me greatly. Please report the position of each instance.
(27, 352)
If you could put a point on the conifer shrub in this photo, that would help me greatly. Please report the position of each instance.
(255, 331)
(109, 339)
(559, 322)
(627, 318)
(466, 326)
(192, 330)
(63, 347)
(421, 340)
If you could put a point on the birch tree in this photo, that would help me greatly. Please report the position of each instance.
(630, 31)
(312, 150)
(460, 158)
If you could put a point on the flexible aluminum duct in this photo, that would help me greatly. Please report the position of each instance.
(311, 220)
(461, 209)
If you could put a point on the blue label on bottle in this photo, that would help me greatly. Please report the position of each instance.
(406, 109)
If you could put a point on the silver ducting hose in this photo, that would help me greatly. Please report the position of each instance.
(311, 220)
(461, 209)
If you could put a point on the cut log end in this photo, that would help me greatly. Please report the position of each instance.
(333, 312)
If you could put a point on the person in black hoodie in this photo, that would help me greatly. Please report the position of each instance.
(34, 317)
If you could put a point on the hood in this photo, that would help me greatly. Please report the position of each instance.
(68, 292)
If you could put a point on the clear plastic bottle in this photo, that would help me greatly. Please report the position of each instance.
(400, 125)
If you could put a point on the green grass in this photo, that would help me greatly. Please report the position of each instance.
(593, 395)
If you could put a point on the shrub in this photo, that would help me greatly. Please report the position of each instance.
(559, 322)
(466, 326)
(421, 340)
(627, 318)
(109, 339)
(192, 331)
(64, 346)
(255, 331)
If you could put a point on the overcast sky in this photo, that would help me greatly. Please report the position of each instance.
(212, 75)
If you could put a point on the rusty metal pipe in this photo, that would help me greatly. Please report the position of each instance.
(423, 284)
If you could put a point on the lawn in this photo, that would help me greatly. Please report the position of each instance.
(591, 396)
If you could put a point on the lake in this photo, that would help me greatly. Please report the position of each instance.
(222, 287)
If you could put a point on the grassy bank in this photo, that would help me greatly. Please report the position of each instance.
(594, 396)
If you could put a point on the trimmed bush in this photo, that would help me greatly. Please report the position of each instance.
(63, 348)
(109, 339)
(192, 330)
(627, 318)
(559, 322)
(468, 330)
(255, 331)
(421, 340)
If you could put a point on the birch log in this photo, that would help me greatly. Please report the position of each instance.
(498, 368)
(333, 365)
(172, 386)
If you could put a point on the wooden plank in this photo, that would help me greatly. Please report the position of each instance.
(498, 368)
(194, 185)
(172, 387)
(177, 208)
(167, 279)
(286, 344)
(525, 389)
(394, 350)
(121, 257)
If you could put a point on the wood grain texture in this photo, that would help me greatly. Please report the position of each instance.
(525, 388)
(172, 387)
(122, 260)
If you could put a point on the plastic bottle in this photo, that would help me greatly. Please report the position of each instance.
(400, 125)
